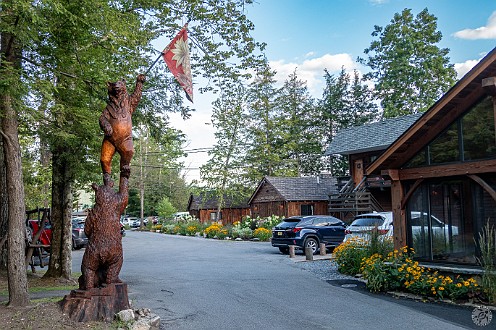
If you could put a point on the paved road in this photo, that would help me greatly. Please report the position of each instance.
(195, 283)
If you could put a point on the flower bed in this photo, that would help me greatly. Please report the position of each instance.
(397, 271)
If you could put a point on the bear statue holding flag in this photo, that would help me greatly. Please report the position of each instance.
(101, 293)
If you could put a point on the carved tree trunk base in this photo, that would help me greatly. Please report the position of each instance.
(98, 304)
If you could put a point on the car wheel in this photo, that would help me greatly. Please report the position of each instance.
(312, 243)
(284, 250)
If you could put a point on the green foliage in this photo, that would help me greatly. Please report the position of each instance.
(241, 232)
(264, 154)
(409, 70)
(222, 174)
(349, 254)
(346, 101)
(262, 234)
(297, 114)
(487, 243)
(165, 209)
(397, 271)
(216, 230)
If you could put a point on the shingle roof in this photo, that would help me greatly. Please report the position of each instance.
(302, 188)
(370, 137)
(208, 201)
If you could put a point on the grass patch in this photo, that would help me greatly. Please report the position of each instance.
(36, 283)
(46, 300)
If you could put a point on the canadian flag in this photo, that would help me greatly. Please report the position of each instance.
(176, 56)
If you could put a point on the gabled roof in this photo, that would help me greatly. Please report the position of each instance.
(465, 93)
(209, 201)
(300, 188)
(370, 137)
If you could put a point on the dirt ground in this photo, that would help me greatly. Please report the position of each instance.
(43, 313)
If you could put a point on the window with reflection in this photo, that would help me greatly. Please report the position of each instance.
(479, 140)
(437, 227)
(444, 149)
(471, 137)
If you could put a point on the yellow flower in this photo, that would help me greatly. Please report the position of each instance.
(441, 288)
(458, 285)
(466, 283)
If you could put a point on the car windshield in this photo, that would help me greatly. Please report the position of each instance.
(368, 222)
(78, 225)
(288, 223)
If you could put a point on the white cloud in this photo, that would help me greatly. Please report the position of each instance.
(312, 70)
(483, 32)
(463, 68)
(378, 2)
(309, 54)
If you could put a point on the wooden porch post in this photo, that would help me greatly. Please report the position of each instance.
(399, 218)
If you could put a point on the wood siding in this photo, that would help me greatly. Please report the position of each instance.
(286, 209)
(229, 216)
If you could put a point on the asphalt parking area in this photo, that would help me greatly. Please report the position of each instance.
(457, 314)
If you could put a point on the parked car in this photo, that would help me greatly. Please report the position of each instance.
(419, 223)
(308, 231)
(363, 224)
(79, 239)
(128, 220)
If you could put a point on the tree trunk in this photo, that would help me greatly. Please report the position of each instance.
(60, 264)
(3, 210)
(16, 268)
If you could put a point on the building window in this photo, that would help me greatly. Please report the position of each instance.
(438, 226)
(478, 132)
(213, 216)
(471, 137)
(306, 209)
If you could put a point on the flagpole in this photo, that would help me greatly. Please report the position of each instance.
(153, 64)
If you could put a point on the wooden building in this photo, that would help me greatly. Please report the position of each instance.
(204, 207)
(292, 196)
(362, 145)
(443, 171)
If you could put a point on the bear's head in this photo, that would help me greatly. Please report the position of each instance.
(104, 195)
(117, 89)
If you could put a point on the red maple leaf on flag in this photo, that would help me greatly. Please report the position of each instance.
(176, 56)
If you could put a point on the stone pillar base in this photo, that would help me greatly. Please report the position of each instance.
(98, 304)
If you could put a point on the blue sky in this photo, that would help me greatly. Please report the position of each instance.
(313, 35)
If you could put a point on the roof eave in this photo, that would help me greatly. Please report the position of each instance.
(434, 109)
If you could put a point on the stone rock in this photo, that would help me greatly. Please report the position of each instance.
(125, 315)
(143, 312)
(97, 304)
(149, 322)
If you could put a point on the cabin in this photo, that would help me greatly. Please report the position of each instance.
(443, 171)
(292, 196)
(362, 145)
(204, 207)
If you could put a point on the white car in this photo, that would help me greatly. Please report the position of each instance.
(363, 224)
(419, 224)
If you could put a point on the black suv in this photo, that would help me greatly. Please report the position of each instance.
(308, 231)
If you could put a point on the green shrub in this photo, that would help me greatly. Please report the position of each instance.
(216, 230)
(397, 271)
(243, 233)
(348, 255)
(262, 234)
(487, 243)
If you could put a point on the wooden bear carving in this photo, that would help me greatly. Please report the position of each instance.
(102, 260)
(116, 124)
